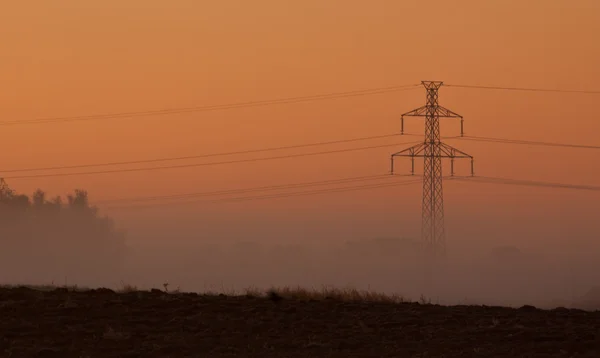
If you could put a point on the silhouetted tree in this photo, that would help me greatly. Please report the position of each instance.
(50, 237)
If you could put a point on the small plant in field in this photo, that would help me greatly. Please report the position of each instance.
(274, 296)
(424, 300)
(348, 295)
(253, 292)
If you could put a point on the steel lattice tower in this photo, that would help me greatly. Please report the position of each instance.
(432, 150)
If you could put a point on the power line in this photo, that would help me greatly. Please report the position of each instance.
(516, 141)
(202, 164)
(273, 196)
(326, 191)
(525, 142)
(523, 89)
(521, 182)
(249, 151)
(476, 179)
(246, 190)
(288, 100)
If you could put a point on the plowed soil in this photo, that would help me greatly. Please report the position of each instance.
(102, 323)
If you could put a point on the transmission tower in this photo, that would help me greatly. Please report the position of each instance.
(433, 233)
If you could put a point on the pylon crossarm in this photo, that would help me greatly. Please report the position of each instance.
(412, 152)
(443, 156)
(418, 150)
(452, 152)
(443, 112)
(415, 150)
(440, 111)
(419, 112)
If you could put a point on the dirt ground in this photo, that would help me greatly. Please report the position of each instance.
(102, 323)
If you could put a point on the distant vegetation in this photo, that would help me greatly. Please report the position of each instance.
(56, 238)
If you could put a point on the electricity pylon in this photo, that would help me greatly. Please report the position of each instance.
(433, 233)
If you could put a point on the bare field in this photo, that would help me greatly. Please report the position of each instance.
(291, 323)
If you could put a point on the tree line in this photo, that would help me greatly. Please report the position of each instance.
(55, 238)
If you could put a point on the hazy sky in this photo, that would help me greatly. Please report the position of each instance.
(67, 58)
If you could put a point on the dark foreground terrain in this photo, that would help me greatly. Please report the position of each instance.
(101, 323)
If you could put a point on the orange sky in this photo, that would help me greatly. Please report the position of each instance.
(68, 57)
